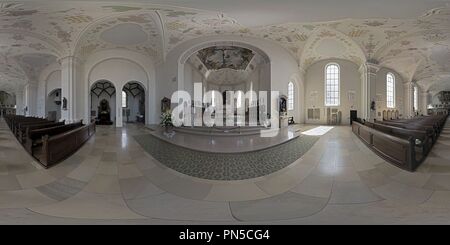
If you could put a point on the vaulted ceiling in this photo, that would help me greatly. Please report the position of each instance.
(409, 36)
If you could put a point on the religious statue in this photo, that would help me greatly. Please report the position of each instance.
(104, 113)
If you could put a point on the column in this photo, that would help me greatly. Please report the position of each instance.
(19, 102)
(119, 120)
(30, 99)
(69, 76)
(368, 90)
(409, 99)
(425, 99)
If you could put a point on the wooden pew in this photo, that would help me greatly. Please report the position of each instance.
(34, 137)
(21, 126)
(24, 132)
(58, 147)
(404, 143)
(397, 151)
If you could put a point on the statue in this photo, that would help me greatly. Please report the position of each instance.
(104, 113)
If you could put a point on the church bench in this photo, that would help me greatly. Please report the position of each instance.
(398, 151)
(423, 140)
(21, 126)
(404, 143)
(58, 147)
(34, 137)
(24, 132)
(16, 122)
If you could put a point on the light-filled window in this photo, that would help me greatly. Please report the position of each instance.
(332, 76)
(390, 90)
(238, 100)
(416, 98)
(290, 104)
(124, 99)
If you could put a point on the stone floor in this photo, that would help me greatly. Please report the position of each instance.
(112, 180)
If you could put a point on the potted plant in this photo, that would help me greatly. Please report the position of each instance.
(166, 121)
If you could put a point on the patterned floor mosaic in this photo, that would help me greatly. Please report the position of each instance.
(222, 166)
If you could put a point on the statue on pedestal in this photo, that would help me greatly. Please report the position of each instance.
(104, 113)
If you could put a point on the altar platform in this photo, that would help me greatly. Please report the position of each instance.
(221, 142)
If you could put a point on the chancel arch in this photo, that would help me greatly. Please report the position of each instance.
(225, 67)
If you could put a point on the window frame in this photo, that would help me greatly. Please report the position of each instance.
(338, 85)
(291, 96)
(126, 99)
(416, 98)
(388, 105)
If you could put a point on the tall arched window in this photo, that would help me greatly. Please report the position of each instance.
(390, 90)
(332, 77)
(290, 105)
(416, 98)
(124, 99)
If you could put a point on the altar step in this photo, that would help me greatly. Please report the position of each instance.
(221, 131)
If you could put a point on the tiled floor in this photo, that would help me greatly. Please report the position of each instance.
(113, 180)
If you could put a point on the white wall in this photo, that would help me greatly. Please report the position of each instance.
(381, 91)
(350, 80)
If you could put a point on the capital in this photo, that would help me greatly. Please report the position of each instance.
(69, 58)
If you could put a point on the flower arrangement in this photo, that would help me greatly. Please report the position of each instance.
(166, 120)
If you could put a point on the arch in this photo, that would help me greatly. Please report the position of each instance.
(299, 98)
(188, 53)
(118, 82)
(389, 115)
(384, 115)
(143, 64)
(55, 107)
(102, 89)
(110, 21)
(317, 48)
(135, 95)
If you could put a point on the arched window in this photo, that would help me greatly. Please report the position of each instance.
(416, 98)
(124, 99)
(290, 105)
(332, 77)
(390, 90)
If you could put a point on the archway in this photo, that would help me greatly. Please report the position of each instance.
(103, 102)
(7, 103)
(133, 103)
(53, 105)
(226, 66)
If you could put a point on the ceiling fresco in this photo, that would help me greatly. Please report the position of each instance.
(418, 48)
(220, 57)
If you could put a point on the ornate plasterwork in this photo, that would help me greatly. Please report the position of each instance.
(61, 29)
(143, 34)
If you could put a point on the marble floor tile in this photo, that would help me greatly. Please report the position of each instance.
(352, 193)
(289, 206)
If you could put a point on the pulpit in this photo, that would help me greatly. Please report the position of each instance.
(104, 113)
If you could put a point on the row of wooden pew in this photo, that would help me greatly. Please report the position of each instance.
(402, 142)
(48, 141)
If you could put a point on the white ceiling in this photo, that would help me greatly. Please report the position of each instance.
(267, 12)
(404, 35)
